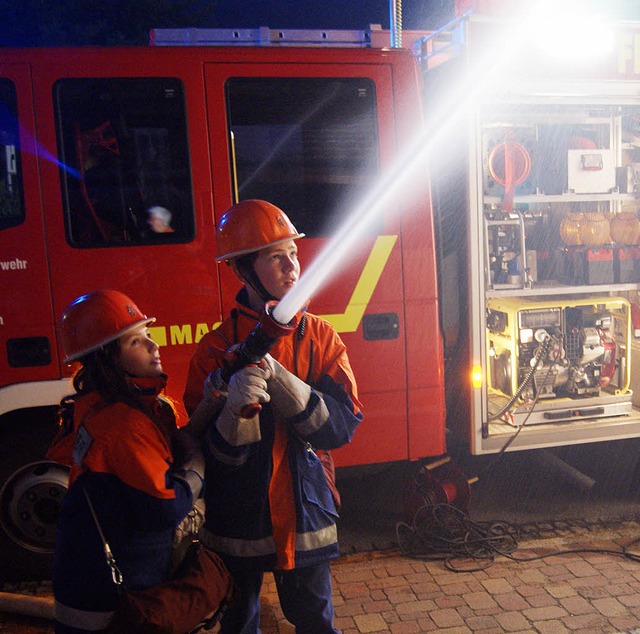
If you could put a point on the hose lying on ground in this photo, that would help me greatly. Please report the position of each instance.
(444, 532)
(29, 605)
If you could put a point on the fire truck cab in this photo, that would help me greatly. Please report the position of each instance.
(115, 165)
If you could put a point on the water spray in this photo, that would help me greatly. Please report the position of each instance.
(394, 191)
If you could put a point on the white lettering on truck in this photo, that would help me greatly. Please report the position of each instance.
(13, 265)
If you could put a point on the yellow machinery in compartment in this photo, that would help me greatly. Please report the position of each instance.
(556, 359)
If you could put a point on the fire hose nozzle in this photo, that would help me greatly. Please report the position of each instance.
(253, 349)
(271, 326)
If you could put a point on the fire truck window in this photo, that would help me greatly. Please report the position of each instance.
(308, 145)
(11, 201)
(124, 158)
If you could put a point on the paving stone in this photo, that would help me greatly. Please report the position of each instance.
(496, 586)
(512, 621)
(546, 613)
(480, 600)
(446, 618)
(577, 605)
(512, 601)
(367, 623)
(609, 607)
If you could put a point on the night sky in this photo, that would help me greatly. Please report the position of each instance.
(331, 14)
(81, 22)
(359, 14)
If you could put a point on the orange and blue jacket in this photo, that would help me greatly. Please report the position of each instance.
(268, 502)
(123, 461)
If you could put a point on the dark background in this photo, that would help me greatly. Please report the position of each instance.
(113, 22)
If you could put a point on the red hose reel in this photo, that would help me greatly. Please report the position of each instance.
(440, 482)
(509, 166)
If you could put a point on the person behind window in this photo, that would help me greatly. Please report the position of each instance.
(159, 219)
(128, 460)
(270, 506)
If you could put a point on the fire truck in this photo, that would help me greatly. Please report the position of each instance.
(492, 298)
(96, 143)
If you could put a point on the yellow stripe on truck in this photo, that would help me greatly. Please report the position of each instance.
(348, 321)
(361, 296)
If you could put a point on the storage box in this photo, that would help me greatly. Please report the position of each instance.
(584, 265)
(626, 265)
(591, 171)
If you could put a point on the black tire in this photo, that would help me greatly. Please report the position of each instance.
(31, 489)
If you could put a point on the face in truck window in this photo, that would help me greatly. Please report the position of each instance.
(11, 202)
(308, 145)
(125, 163)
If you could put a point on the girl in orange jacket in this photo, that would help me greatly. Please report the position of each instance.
(128, 461)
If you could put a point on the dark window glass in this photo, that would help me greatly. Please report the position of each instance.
(124, 161)
(11, 196)
(308, 145)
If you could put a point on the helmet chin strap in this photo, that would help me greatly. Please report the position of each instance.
(245, 268)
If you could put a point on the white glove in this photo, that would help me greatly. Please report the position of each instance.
(246, 387)
(289, 394)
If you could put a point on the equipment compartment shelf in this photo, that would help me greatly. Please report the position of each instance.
(544, 199)
(543, 289)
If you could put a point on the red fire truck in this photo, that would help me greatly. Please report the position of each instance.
(529, 229)
(97, 142)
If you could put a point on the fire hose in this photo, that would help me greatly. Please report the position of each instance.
(29, 605)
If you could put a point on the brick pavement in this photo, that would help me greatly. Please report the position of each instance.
(588, 593)
(386, 592)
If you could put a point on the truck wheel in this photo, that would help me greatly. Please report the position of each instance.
(31, 490)
(30, 505)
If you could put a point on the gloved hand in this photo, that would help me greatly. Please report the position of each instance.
(205, 413)
(188, 460)
(246, 387)
(289, 394)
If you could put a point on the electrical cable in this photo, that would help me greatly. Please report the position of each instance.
(441, 531)
(540, 354)
(446, 533)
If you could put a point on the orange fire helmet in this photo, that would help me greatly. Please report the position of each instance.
(251, 225)
(95, 319)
